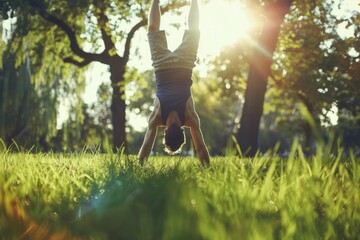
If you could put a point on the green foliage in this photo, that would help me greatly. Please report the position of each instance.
(2, 47)
(215, 111)
(141, 89)
(349, 129)
(86, 126)
(106, 196)
(19, 100)
(313, 66)
(25, 92)
(231, 68)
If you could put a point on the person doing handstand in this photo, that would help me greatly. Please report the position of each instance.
(174, 106)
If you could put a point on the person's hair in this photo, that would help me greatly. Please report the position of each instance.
(174, 139)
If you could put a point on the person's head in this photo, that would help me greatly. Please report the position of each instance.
(174, 139)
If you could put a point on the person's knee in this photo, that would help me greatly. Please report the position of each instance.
(153, 28)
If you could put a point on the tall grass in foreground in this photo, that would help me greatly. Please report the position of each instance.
(97, 196)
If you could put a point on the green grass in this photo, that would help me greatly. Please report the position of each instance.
(108, 196)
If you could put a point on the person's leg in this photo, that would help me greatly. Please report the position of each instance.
(194, 16)
(154, 17)
(187, 51)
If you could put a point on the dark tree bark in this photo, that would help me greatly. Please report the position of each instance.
(247, 135)
(118, 106)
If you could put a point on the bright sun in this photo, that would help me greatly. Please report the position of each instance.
(222, 23)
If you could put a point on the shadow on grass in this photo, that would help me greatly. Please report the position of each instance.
(137, 205)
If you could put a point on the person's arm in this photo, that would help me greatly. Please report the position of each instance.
(198, 139)
(154, 17)
(196, 133)
(149, 138)
(193, 19)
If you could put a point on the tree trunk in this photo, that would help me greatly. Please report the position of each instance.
(118, 106)
(247, 135)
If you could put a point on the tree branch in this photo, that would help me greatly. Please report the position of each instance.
(103, 22)
(130, 35)
(77, 63)
(276, 10)
(74, 45)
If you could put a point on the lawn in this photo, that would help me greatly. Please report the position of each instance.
(109, 196)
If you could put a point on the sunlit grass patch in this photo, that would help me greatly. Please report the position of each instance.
(109, 196)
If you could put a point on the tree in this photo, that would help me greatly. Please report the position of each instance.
(103, 24)
(313, 66)
(14, 114)
(23, 94)
(30, 90)
(348, 101)
(260, 63)
(302, 67)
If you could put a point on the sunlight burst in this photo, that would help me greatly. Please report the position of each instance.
(222, 23)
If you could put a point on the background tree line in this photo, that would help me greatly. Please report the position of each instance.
(252, 90)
